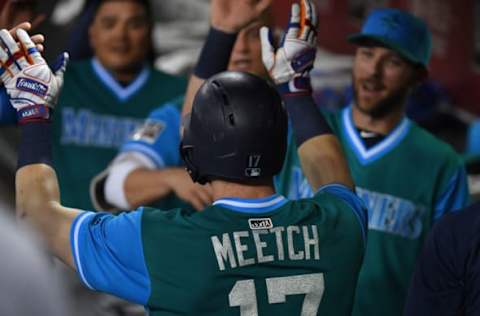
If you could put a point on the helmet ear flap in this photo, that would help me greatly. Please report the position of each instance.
(186, 152)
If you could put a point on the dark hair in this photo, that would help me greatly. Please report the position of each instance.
(145, 3)
(94, 5)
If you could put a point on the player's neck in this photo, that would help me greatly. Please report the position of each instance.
(127, 75)
(381, 125)
(224, 189)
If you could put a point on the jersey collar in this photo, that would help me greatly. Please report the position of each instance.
(252, 206)
(122, 93)
(367, 155)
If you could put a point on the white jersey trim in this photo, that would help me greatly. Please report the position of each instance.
(253, 205)
(76, 251)
(122, 93)
(367, 155)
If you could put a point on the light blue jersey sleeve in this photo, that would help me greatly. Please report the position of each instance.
(108, 254)
(349, 197)
(473, 139)
(158, 139)
(8, 115)
(455, 196)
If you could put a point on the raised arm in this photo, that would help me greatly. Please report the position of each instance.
(33, 90)
(227, 19)
(320, 152)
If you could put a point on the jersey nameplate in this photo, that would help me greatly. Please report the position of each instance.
(288, 243)
(260, 223)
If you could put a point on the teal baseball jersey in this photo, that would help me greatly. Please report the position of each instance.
(407, 181)
(94, 117)
(267, 256)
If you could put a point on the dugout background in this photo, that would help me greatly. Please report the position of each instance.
(180, 27)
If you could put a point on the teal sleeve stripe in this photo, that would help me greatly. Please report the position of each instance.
(349, 197)
(109, 254)
(455, 196)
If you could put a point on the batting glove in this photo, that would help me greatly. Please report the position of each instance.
(32, 87)
(289, 66)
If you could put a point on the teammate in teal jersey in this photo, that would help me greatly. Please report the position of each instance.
(253, 251)
(148, 169)
(105, 98)
(406, 177)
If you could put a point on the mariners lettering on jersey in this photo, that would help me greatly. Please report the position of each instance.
(233, 250)
(86, 128)
(391, 214)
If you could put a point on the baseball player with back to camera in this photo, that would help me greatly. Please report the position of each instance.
(254, 252)
(407, 178)
(148, 167)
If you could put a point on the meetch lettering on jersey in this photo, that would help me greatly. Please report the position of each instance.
(278, 243)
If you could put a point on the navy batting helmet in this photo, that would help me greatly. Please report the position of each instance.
(237, 130)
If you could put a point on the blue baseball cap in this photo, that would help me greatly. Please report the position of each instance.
(399, 30)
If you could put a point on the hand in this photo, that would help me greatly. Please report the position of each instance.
(13, 12)
(37, 39)
(30, 84)
(290, 65)
(231, 16)
(197, 195)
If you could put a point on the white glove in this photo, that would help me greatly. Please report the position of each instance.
(290, 64)
(32, 87)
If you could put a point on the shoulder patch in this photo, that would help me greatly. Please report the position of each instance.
(149, 131)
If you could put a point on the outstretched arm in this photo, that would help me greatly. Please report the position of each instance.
(320, 153)
(227, 19)
(33, 90)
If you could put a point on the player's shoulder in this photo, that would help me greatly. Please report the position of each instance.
(426, 142)
(77, 68)
(462, 226)
(333, 118)
(342, 201)
(80, 64)
(169, 109)
(171, 79)
(163, 112)
(436, 156)
(455, 238)
(155, 215)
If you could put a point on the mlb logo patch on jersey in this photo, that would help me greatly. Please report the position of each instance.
(149, 131)
(260, 223)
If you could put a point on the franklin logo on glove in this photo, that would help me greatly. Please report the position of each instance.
(32, 86)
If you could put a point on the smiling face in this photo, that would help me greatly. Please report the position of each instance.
(247, 52)
(382, 80)
(120, 35)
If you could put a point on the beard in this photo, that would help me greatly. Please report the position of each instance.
(389, 104)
